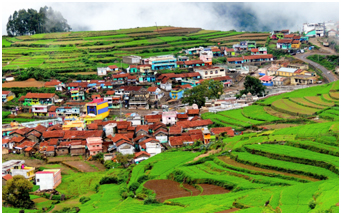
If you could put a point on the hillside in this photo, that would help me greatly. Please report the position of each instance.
(78, 52)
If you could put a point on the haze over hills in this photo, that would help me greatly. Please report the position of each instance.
(215, 16)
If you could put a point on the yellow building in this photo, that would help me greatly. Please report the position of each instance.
(98, 109)
(68, 124)
(296, 44)
(288, 72)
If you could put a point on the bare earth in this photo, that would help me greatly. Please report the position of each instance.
(28, 83)
(80, 166)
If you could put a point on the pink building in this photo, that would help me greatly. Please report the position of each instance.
(206, 57)
(169, 118)
(94, 145)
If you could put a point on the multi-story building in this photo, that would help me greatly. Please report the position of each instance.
(162, 62)
(210, 71)
(41, 110)
(131, 59)
(48, 179)
(77, 94)
(206, 57)
(38, 99)
(94, 145)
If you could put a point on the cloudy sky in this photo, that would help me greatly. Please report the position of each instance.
(213, 16)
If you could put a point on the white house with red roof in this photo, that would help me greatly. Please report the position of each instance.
(112, 68)
(155, 93)
(48, 179)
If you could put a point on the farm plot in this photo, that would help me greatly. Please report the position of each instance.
(278, 114)
(327, 98)
(237, 114)
(284, 166)
(334, 95)
(287, 106)
(216, 120)
(28, 83)
(257, 112)
(319, 101)
(304, 102)
(315, 146)
(297, 155)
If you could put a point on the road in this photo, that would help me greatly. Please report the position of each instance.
(326, 73)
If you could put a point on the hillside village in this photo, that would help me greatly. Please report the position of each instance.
(136, 111)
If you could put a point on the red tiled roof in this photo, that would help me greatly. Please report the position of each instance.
(186, 86)
(175, 130)
(28, 149)
(163, 130)
(220, 130)
(5, 140)
(297, 37)
(119, 137)
(298, 71)
(125, 75)
(52, 83)
(122, 126)
(96, 96)
(142, 127)
(254, 50)
(113, 67)
(63, 144)
(17, 139)
(179, 140)
(193, 111)
(35, 133)
(223, 78)
(195, 131)
(289, 36)
(53, 108)
(252, 57)
(110, 92)
(266, 78)
(53, 141)
(190, 62)
(123, 142)
(284, 41)
(152, 89)
(82, 135)
(182, 116)
(53, 134)
(40, 95)
(55, 127)
(21, 131)
(136, 139)
(92, 126)
(193, 124)
(50, 149)
(40, 128)
(137, 154)
(234, 59)
(7, 177)
(131, 128)
(131, 88)
(295, 42)
(129, 135)
(5, 92)
(229, 49)
(143, 143)
(195, 118)
(157, 116)
(26, 144)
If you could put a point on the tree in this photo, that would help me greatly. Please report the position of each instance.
(254, 86)
(16, 192)
(123, 159)
(207, 89)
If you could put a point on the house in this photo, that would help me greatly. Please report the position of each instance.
(77, 148)
(210, 71)
(166, 85)
(251, 45)
(40, 110)
(175, 130)
(139, 100)
(34, 136)
(8, 166)
(225, 80)
(38, 99)
(112, 68)
(183, 58)
(50, 152)
(131, 59)
(194, 51)
(155, 94)
(63, 148)
(20, 148)
(169, 118)
(27, 172)
(48, 179)
(198, 124)
(280, 81)
(7, 96)
(162, 62)
(151, 146)
(206, 57)
(29, 151)
(94, 145)
(135, 120)
(258, 58)
(192, 113)
(141, 156)
(272, 70)
(284, 43)
(53, 134)
(5, 178)
(125, 147)
(267, 80)
(180, 141)
(283, 71)
(193, 63)
(259, 50)
(151, 119)
(296, 44)
(142, 130)
(161, 135)
(182, 117)
(332, 33)
(229, 51)
(302, 80)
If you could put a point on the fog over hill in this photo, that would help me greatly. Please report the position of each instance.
(248, 16)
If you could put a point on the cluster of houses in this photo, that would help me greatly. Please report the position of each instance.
(142, 136)
(330, 29)
(286, 74)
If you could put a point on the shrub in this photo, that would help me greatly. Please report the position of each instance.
(150, 200)
(142, 178)
(134, 186)
(312, 204)
(108, 180)
(97, 188)
(84, 199)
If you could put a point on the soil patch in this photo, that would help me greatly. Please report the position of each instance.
(237, 164)
(38, 200)
(229, 210)
(81, 166)
(98, 164)
(166, 189)
(194, 190)
(337, 204)
(210, 189)
(273, 112)
(62, 159)
(28, 83)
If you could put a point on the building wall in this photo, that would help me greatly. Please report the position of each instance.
(45, 181)
(126, 149)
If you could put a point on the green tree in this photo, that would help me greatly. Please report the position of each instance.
(124, 159)
(134, 186)
(16, 192)
(254, 86)
(207, 89)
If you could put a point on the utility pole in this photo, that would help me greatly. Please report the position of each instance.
(156, 27)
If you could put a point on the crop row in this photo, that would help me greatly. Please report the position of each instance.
(318, 100)
(310, 130)
(286, 106)
(257, 112)
(237, 114)
(315, 146)
(304, 102)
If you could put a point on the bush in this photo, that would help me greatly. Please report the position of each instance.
(312, 204)
(109, 180)
(150, 200)
(142, 178)
(84, 199)
(134, 186)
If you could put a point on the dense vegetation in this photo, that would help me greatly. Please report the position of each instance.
(328, 61)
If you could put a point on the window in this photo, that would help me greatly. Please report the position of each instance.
(206, 73)
(37, 180)
(211, 72)
(216, 72)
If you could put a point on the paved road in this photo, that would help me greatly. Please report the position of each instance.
(326, 73)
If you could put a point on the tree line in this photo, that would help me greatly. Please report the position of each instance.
(31, 22)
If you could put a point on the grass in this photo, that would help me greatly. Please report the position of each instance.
(258, 113)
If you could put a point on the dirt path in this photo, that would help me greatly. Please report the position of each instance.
(207, 154)
(229, 210)
(237, 164)
(315, 42)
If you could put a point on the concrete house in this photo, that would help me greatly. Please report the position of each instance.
(48, 179)
(141, 156)
(210, 71)
(94, 145)
(267, 80)
(131, 59)
(163, 62)
(155, 94)
(125, 148)
(206, 57)
(169, 118)
(151, 146)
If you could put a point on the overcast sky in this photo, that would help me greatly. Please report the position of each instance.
(211, 16)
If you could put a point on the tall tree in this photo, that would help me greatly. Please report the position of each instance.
(16, 192)
(254, 86)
